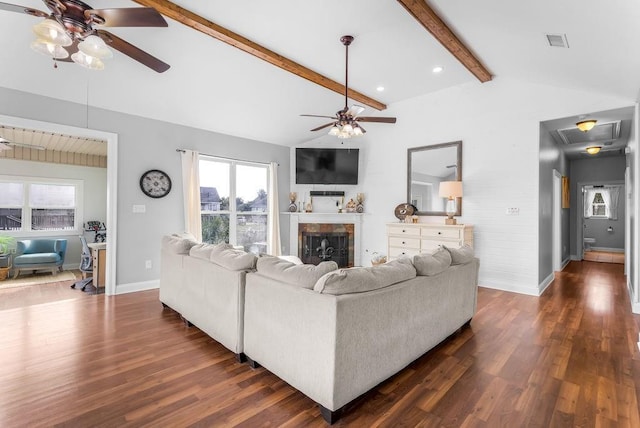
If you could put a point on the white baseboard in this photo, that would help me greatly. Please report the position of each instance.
(575, 258)
(511, 288)
(545, 283)
(565, 263)
(133, 287)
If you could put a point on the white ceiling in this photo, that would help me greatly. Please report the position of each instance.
(214, 86)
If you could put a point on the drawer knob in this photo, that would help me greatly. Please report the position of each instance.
(439, 233)
(403, 231)
(403, 242)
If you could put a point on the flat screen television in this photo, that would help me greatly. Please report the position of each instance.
(326, 166)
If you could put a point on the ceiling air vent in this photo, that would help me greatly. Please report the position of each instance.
(601, 133)
(558, 40)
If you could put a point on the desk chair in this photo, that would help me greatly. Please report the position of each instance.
(86, 266)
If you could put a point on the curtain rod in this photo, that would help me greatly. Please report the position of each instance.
(226, 158)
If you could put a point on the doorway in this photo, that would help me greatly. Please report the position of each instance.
(112, 174)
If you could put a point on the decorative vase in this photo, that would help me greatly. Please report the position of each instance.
(360, 205)
(293, 207)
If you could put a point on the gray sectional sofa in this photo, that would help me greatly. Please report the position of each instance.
(331, 333)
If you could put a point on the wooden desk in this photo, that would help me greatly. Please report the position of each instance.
(99, 255)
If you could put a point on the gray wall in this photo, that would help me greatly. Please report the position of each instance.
(145, 144)
(550, 158)
(94, 198)
(597, 170)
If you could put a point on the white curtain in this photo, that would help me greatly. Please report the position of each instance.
(191, 193)
(607, 201)
(273, 229)
(613, 194)
(589, 194)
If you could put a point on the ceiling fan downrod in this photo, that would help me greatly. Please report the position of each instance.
(346, 41)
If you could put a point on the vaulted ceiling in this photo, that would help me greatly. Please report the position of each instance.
(213, 85)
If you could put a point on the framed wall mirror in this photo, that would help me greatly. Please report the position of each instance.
(427, 167)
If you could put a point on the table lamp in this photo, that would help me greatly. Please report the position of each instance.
(451, 190)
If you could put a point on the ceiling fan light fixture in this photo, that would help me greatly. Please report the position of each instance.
(95, 47)
(357, 131)
(586, 125)
(49, 49)
(52, 32)
(593, 150)
(334, 131)
(87, 61)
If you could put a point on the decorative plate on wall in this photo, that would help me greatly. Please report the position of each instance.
(404, 210)
(155, 183)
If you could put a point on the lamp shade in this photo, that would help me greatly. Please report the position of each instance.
(450, 189)
(593, 150)
(52, 32)
(586, 125)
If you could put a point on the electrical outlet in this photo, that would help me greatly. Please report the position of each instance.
(513, 211)
(147, 264)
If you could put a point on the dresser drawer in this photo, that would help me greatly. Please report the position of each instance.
(403, 230)
(404, 242)
(441, 233)
(395, 252)
(428, 245)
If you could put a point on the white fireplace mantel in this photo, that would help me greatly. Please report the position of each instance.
(326, 218)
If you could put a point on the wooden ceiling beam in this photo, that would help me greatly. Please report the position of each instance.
(430, 20)
(216, 31)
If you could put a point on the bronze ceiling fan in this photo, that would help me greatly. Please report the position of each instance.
(68, 34)
(346, 121)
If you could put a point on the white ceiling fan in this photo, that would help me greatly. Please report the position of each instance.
(9, 145)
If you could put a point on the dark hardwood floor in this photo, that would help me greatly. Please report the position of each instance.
(568, 358)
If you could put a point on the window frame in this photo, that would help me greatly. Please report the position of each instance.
(26, 207)
(232, 210)
(598, 204)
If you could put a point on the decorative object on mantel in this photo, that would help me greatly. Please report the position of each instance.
(293, 207)
(309, 207)
(360, 206)
(351, 206)
(451, 190)
(403, 211)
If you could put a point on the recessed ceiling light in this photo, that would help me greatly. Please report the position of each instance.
(437, 69)
(380, 88)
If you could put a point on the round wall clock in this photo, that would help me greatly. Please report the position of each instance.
(155, 183)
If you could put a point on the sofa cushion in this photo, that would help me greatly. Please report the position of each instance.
(37, 258)
(203, 251)
(230, 258)
(460, 256)
(178, 243)
(432, 264)
(291, 273)
(361, 279)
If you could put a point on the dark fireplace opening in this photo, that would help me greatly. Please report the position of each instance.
(325, 246)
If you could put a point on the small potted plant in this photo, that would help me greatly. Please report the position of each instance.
(6, 244)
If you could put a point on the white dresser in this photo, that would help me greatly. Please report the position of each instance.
(409, 239)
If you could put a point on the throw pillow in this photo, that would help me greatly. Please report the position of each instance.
(283, 270)
(361, 279)
(178, 244)
(432, 264)
(460, 256)
(230, 258)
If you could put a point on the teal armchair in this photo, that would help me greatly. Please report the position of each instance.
(39, 254)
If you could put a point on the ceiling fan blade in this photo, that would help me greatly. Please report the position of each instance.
(376, 119)
(133, 52)
(355, 110)
(23, 9)
(129, 17)
(317, 115)
(361, 128)
(323, 126)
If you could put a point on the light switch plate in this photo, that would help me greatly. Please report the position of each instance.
(513, 211)
(138, 209)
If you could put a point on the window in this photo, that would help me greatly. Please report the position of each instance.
(598, 207)
(40, 206)
(233, 203)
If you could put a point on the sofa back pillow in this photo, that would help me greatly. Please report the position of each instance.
(230, 258)
(432, 264)
(178, 243)
(460, 256)
(203, 251)
(295, 274)
(361, 279)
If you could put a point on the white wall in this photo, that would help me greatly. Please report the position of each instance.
(498, 123)
(633, 195)
(94, 197)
